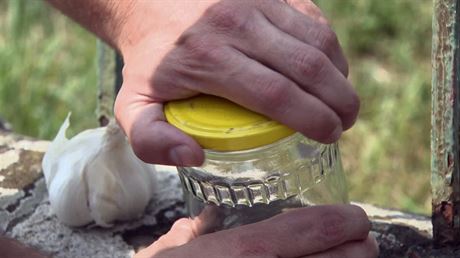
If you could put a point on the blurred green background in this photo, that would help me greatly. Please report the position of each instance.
(48, 67)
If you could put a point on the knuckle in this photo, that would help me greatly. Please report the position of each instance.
(182, 222)
(332, 228)
(310, 64)
(228, 17)
(202, 48)
(327, 39)
(251, 245)
(273, 93)
(328, 43)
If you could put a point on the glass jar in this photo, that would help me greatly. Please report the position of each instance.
(251, 176)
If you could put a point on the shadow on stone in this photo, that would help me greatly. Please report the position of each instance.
(143, 236)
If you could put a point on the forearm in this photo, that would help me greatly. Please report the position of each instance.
(123, 23)
(102, 17)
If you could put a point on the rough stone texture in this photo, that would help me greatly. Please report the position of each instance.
(38, 227)
(26, 216)
(25, 212)
(43, 231)
(20, 167)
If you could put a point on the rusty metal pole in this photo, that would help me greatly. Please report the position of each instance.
(110, 65)
(106, 81)
(445, 119)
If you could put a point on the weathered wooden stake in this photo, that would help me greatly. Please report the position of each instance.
(445, 119)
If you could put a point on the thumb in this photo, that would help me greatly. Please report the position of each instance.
(182, 232)
(152, 138)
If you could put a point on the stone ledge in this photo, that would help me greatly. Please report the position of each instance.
(25, 214)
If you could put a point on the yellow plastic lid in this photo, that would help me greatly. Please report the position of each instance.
(218, 124)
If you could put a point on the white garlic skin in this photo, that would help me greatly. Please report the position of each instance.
(96, 177)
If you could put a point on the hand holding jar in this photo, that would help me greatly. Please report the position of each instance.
(254, 167)
(314, 232)
(278, 58)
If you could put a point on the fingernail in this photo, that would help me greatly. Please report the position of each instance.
(182, 155)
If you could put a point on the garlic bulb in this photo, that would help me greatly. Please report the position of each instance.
(95, 176)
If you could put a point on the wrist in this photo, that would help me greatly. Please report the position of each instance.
(112, 28)
(159, 22)
(106, 19)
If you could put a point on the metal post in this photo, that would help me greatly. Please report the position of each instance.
(106, 81)
(445, 119)
(110, 65)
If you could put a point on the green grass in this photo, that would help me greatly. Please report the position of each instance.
(387, 153)
(48, 67)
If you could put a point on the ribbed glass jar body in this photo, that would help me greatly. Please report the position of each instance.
(242, 187)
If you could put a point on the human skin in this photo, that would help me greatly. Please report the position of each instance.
(11, 248)
(313, 232)
(282, 60)
(278, 58)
